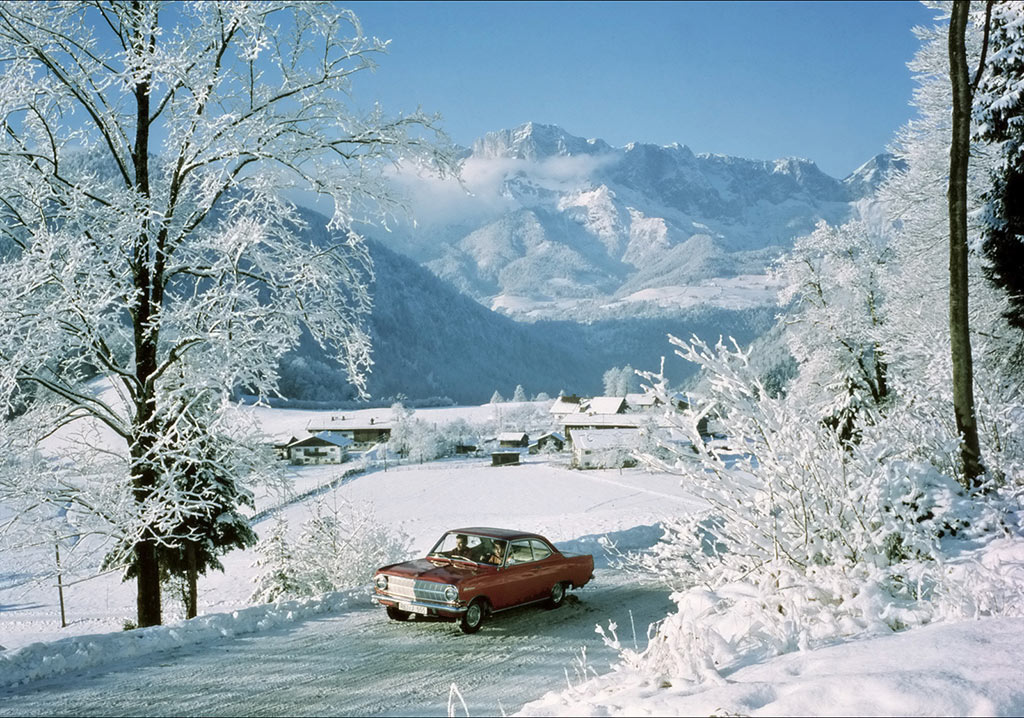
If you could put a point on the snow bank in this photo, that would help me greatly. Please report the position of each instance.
(964, 668)
(608, 546)
(43, 660)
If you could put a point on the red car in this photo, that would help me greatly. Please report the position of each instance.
(474, 572)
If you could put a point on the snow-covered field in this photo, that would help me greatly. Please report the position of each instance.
(338, 654)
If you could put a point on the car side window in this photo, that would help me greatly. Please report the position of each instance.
(520, 552)
(540, 550)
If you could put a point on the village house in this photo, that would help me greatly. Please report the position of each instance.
(576, 422)
(281, 446)
(604, 448)
(320, 449)
(643, 402)
(360, 431)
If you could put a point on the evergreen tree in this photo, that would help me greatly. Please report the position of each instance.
(276, 576)
(999, 110)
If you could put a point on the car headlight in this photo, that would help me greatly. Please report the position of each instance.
(381, 581)
(450, 594)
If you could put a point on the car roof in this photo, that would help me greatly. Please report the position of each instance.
(490, 532)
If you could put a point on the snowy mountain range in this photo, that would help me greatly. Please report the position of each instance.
(546, 221)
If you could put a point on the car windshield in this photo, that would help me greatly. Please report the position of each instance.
(470, 547)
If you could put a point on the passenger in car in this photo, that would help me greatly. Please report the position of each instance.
(497, 555)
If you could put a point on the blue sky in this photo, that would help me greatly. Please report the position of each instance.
(823, 80)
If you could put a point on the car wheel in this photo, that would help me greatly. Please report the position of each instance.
(557, 595)
(396, 614)
(473, 618)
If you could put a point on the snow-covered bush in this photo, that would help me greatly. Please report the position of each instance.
(338, 547)
(810, 537)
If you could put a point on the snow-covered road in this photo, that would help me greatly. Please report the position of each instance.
(359, 663)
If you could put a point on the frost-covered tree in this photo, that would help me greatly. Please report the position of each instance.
(519, 394)
(497, 398)
(620, 381)
(401, 428)
(146, 149)
(916, 337)
(836, 306)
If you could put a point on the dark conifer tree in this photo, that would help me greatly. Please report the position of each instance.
(999, 110)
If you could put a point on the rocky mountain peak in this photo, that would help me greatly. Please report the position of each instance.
(866, 179)
(535, 141)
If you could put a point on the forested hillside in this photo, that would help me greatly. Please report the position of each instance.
(431, 341)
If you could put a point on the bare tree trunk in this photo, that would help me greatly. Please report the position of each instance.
(192, 574)
(959, 327)
(149, 283)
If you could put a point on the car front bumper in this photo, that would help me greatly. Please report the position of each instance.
(433, 609)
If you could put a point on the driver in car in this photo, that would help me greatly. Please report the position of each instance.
(461, 547)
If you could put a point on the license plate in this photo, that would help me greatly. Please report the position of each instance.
(409, 608)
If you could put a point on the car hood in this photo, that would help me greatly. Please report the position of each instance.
(440, 571)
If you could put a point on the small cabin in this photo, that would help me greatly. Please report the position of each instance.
(551, 441)
(513, 440)
(504, 458)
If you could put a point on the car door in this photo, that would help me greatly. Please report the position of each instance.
(520, 573)
(548, 568)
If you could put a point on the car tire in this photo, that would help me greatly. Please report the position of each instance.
(396, 614)
(473, 618)
(557, 595)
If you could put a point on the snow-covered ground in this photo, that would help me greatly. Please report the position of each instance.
(338, 654)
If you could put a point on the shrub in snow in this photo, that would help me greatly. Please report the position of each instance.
(338, 547)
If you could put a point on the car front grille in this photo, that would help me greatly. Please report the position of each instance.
(410, 589)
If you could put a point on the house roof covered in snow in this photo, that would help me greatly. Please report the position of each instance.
(606, 405)
(341, 423)
(642, 401)
(566, 405)
(324, 438)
